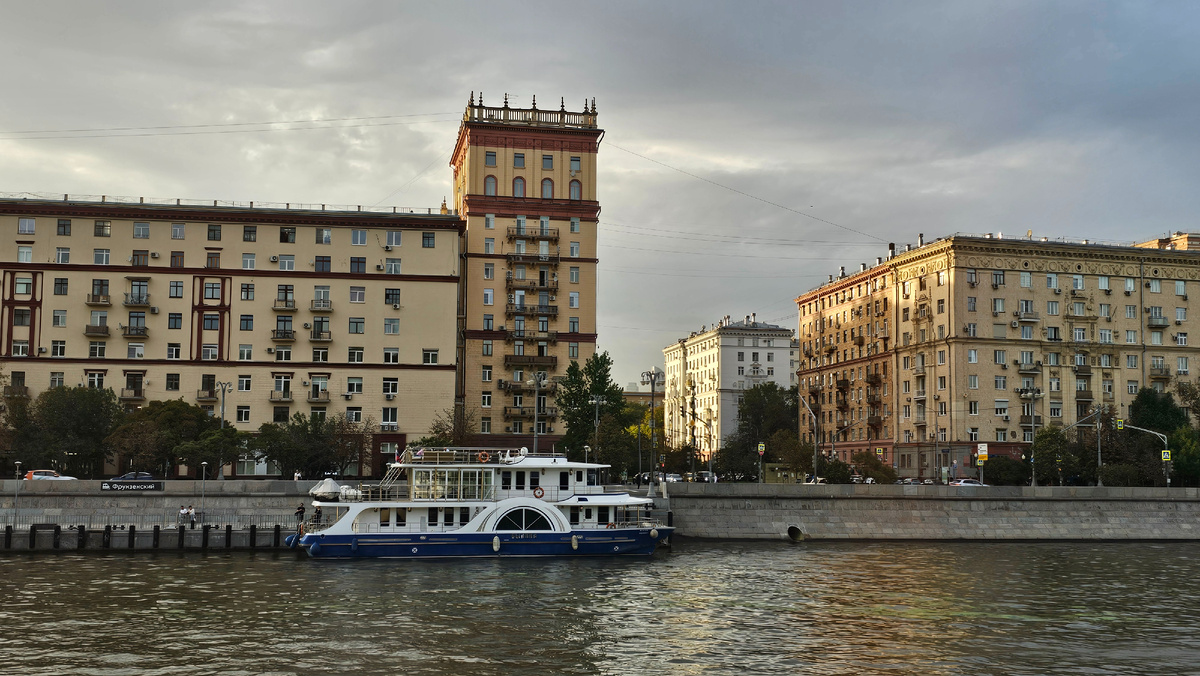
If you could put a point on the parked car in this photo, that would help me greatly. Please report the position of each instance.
(134, 476)
(966, 482)
(47, 474)
(928, 482)
(705, 477)
(674, 478)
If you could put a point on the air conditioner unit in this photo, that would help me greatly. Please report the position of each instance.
(1127, 292)
(1108, 292)
(1059, 291)
(1109, 318)
(1183, 297)
(41, 350)
(304, 382)
(348, 395)
(306, 325)
(154, 254)
(550, 430)
(1016, 324)
(387, 247)
(389, 396)
(395, 306)
(995, 285)
(1016, 313)
(270, 350)
(973, 284)
(274, 259)
(995, 314)
(379, 267)
(1006, 418)
(1004, 366)
(153, 309)
(1178, 323)
(553, 298)
(1147, 285)
(508, 429)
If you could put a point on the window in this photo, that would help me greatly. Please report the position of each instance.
(99, 256)
(245, 352)
(391, 325)
(283, 353)
(1051, 281)
(95, 380)
(1131, 361)
(1077, 282)
(1052, 307)
(1181, 338)
(21, 316)
(427, 240)
(391, 355)
(970, 303)
(392, 266)
(247, 291)
(574, 225)
(972, 356)
(247, 323)
(1156, 286)
(575, 164)
(243, 414)
(23, 286)
(1001, 382)
(547, 162)
(573, 300)
(172, 382)
(485, 425)
(247, 261)
(489, 245)
(489, 186)
(574, 249)
(354, 355)
(96, 349)
(489, 271)
(212, 290)
(287, 235)
(485, 400)
(141, 231)
(214, 233)
(354, 385)
(354, 414)
(487, 374)
(1180, 287)
(391, 296)
(358, 237)
(576, 190)
(208, 352)
(488, 296)
(212, 259)
(136, 351)
(1026, 279)
(358, 264)
(573, 324)
(1181, 314)
(574, 275)
(429, 356)
(487, 348)
(997, 278)
(999, 356)
(60, 318)
(358, 294)
(62, 255)
(997, 305)
(1026, 332)
(140, 257)
(518, 160)
(489, 158)
(212, 322)
(287, 262)
(64, 226)
(573, 350)
(103, 229)
(175, 320)
(60, 286)
(547, 189)
(973, 382)
(1131, 337)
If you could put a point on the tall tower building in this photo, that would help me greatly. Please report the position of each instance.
(525, 182)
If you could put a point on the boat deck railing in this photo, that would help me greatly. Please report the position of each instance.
(469, 455)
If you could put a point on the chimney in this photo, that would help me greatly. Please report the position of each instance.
(920, 239)
(862, 267)
(908, 247)
(988, 236)
(879, 260)
(841, 272)
(891, 250)
(754, 317)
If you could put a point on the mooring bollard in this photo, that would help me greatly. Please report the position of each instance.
(181, 533)
(277, 534)
(253, 536)
(228, 536)
(81, 536)
(204, 537)
(106, 541)
(8, 537)
(33, 537)
(132, 535)
(156, 537)
(57, 535)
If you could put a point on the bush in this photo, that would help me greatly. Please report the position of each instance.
(1120, 475)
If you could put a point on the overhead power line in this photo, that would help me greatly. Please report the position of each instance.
(205, 129)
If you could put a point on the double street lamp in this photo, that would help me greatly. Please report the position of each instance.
(537, 382)
(225, 387)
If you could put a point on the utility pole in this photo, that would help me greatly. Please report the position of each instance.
(597, 402)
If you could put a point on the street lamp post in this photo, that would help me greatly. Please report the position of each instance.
(1033, 394)
(17, 496)
(225, 387)
(536, 383)
(650, 378)
(804, 400)
(597, 402)
(203, 478)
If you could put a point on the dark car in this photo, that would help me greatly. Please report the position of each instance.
(134, 476)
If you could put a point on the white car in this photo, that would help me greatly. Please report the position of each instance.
(47, 474)
(674, 478)
(966, 482)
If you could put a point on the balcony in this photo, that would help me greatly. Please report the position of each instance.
(522, 309)
(919, 370)
(843, 384)
(137, 300)
(1028, 317)
(919, 420)
(284, 304)
(98, 299)
(1029, 367)
(320, 336)
(1155, 322)
(518, 411)
(516, 232)
(1160, 372)
(318, 397)
(206, 395)
(1031, 420)
(16, 391)
(530, 284)
(286, 335)
(132, 394)
(1083, 395)
(549, 336)
(918, 394)
(95, 330)
(874, 420)
(135, 331)
(874, 379)
(874, 400)
(521, 386)
(859, 340)
(321, 305)
(843, 403)
(530, 360)
(281, 395)
(534, 258)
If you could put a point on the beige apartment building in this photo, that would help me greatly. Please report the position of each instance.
(525, 183)
(995, 337)
(708, 372)
(263, 311)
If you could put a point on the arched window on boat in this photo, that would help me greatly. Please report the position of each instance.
(524, 519)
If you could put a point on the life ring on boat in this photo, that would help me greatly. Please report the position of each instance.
(611, 524)
(483, 456)
(538, 492)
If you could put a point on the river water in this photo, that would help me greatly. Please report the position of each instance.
(701, 608)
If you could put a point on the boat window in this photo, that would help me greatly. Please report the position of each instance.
(564, 480)
(448, 517)
(506, 480)
(401, 514)
(574, 514)
(464, 515)
(587, 514)
(602, 514)
(524, 519)
(433, 516)
(520, 481)
(591, 477)
(535, 479)
(578, 476)
(385, 517)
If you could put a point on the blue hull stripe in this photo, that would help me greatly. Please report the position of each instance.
(477, 545)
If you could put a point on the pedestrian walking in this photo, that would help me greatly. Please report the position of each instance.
(300, 513)
(296, 476)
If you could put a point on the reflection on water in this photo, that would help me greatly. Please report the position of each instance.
(703, 608)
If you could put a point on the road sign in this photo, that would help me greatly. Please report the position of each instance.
(982, 448)
(1166, 456)
(662, 458)
(762, 448)
(1120, 424)
(879, 451)
(979, 462)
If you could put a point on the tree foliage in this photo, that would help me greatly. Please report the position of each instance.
(869, 465)
(66, 428)
(576, 390)
(150, 436)
(314, 445)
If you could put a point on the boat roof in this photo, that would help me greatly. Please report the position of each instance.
(481, 456)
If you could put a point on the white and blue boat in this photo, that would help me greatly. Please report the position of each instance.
(482, 502)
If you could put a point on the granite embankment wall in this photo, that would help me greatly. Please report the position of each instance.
(875, 512)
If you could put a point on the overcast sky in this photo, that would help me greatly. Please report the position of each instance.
(751, 148)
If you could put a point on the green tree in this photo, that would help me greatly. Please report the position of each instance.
(576, 390)
(869, 465)
(150, 435)
(451, 427)
(1001, 470)
(1185, 457)
(70, 426)
(215, 447)
(834, 471)
(1053, 456)
(1157, 411)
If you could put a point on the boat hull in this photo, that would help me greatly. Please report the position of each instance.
(608, 542)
